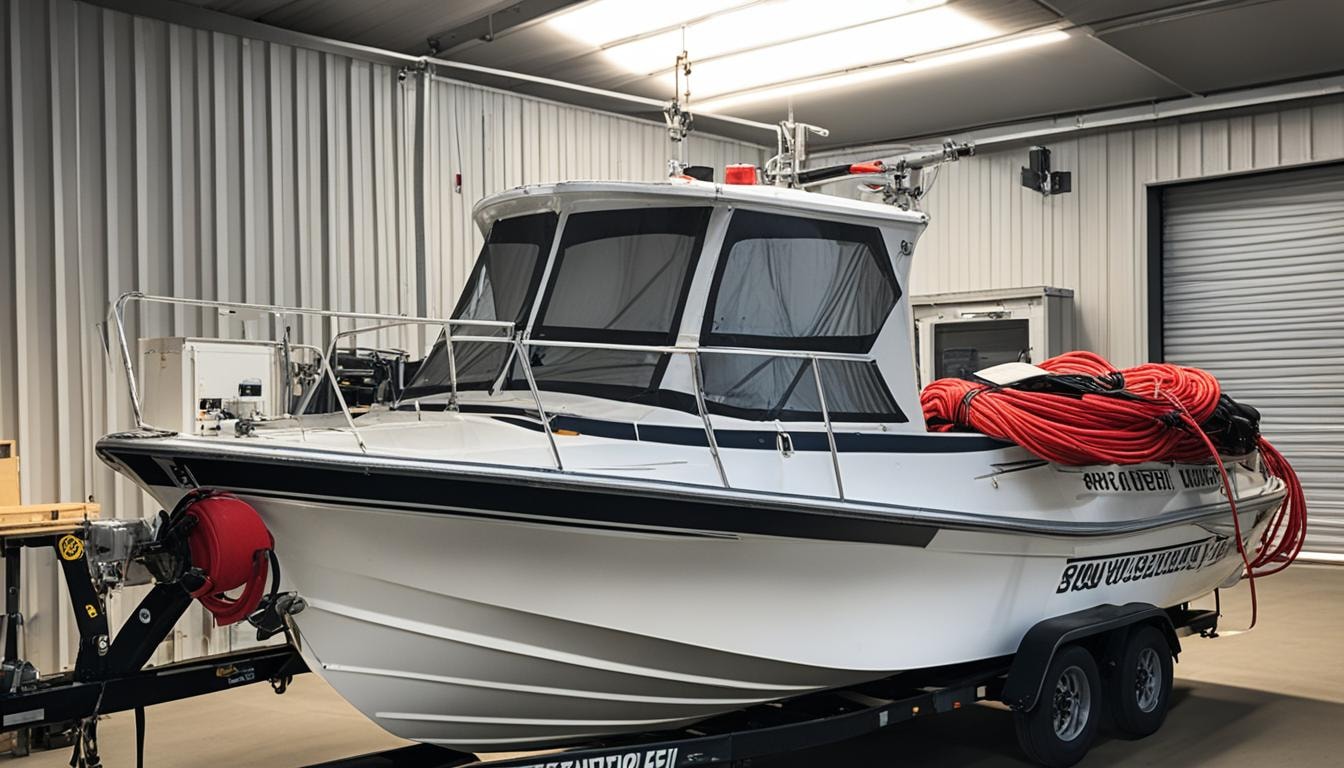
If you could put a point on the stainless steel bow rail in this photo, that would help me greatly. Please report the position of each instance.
(507, 334)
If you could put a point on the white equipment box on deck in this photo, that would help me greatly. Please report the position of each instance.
(189, 384)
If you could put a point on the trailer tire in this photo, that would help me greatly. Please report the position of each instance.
(1140, 691)
(1059, 730)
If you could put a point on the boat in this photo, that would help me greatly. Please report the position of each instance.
(667, 460)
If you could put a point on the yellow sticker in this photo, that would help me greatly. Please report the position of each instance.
(89, 609)
(71, 547)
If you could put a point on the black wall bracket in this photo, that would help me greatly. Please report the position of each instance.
(1038, 176)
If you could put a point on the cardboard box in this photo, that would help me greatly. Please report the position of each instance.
(9, 473)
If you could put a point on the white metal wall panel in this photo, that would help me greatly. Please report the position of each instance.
(1253, 281)
(136, 154)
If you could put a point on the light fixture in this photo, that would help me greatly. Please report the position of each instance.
(934, 29)
(759, 25)
(603, 22)
(882, 71)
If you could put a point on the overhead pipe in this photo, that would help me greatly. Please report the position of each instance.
(1034, 131)
(588, 89)
(216, 21)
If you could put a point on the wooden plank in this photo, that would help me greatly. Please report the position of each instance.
(65, 526)
(9, 473)
(22, 518)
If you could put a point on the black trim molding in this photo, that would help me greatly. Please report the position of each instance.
(459, 493)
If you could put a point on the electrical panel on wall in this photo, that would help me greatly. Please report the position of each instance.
(957, 334)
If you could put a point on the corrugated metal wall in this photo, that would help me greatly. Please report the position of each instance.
(137, 154)
(143, 155)
(989, 232)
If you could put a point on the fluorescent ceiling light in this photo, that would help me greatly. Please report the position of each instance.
(603, 22)
(738, 45)
(903, 37)
(883, 71)
(754, 26)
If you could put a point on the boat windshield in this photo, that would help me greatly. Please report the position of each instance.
(501, 287)
(623, 276)
(620, 276)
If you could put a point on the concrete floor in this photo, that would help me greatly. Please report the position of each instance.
(1274, 696)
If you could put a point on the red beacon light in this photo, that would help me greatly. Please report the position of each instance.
(740, 173)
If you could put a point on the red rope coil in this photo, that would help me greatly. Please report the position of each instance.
(1158, 417)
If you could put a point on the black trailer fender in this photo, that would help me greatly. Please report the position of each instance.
(1043, 641)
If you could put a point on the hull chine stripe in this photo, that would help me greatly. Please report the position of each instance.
(568, 693)
(525, 649)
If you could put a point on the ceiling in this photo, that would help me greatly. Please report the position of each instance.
(1111, 53)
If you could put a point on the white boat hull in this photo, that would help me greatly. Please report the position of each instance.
(485, 607)
(486, 634)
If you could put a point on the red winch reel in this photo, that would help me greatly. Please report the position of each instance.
(228, 547)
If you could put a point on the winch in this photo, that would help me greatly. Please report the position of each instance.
(211, 544)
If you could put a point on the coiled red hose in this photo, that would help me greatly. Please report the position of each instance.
(1152, 412)
(230, 546)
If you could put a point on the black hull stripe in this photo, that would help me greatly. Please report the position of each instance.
(747, 439)
(456, 494)
(474, 514)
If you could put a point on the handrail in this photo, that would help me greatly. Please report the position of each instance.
(701, 408)
(678, 350)
(117, 312)
(518, 349)
(830, 433)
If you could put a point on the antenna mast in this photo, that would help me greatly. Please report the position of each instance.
(680, 121)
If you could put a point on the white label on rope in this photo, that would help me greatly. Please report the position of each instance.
(19, 718)
(1010, 373)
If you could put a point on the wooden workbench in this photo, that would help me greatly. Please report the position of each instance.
(30, 519)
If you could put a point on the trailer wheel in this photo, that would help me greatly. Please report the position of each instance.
(1141, 689)
(1060, 728)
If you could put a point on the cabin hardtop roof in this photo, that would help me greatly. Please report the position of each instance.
(533, 196)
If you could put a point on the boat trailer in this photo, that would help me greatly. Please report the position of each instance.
(111, 675)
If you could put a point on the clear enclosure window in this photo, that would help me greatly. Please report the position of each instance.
(502, 286)
(785, 388)
(622, 275)
(619, 277)
(785, 282)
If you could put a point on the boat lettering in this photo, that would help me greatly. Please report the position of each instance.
(1091, 572)
(1200, 477)
(1128, 480)
(648, 758)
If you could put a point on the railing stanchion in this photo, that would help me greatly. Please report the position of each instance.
(128, 365)
(541, 411)
(452, 364)
(704, 417)
(830, 433)
(340, 398)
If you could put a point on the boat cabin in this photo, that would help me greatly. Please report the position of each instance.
(632, 292)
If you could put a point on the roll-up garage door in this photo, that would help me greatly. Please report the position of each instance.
(1253, 290)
